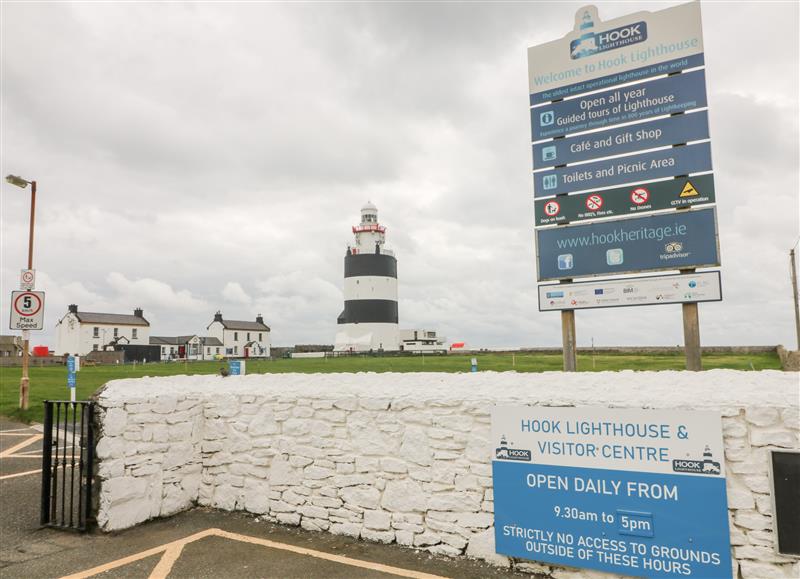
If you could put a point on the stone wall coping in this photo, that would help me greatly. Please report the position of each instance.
(665, 389)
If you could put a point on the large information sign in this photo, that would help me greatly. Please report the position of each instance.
(628, 491)
(619, 128)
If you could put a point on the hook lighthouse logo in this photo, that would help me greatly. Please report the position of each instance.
(591, 42)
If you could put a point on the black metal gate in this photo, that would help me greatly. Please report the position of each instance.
(67, 464)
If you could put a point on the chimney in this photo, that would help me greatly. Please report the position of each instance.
(259, 319)
(218, 316)
(138, 312)
(73, 309)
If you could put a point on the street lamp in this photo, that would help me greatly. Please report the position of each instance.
(26, 334)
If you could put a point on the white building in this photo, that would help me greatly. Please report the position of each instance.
(84, 332)
(191, 347)
(369, 320)
(422, 342)
(241, 339)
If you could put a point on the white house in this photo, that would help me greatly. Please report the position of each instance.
(187, 347)
(241, 339)
(84, 332)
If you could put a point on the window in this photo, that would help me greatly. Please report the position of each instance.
(248, 336)
(134, 333)
(96, 333)
(163, 350)
(236, 349)
(95, 347)
(116, 332)
(259, 337)
(236, 336)
(217, 351)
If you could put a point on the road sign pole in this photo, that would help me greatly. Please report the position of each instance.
(568, 340)
(24, 382)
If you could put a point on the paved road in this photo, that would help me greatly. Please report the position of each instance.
(198, 544)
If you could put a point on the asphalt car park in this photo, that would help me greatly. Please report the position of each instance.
(201, 543)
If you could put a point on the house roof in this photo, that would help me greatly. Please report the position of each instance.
(121, 319)
(242, 325)
(211, 342)
(7, 342)
(170, 340)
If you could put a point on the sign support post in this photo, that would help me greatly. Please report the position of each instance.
(691, 333)
(568, 340)
(24, 383)
(691, 337)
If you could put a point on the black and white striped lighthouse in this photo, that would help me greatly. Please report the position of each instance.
(369, 320)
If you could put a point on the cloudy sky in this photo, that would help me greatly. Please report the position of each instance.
(196, 157)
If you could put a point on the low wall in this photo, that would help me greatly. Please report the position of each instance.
(402, 458)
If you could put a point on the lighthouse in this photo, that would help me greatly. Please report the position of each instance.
(369, 320)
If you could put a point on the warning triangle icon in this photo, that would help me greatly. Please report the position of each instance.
(689, 190)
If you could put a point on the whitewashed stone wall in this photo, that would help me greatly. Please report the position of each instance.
(403, 458)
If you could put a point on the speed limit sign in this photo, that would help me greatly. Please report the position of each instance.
(27, 311)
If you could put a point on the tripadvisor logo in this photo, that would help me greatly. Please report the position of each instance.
(706, 465)
(506, 453)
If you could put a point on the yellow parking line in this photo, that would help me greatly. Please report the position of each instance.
(172, 551)
(166, 562)
(9, 451)
(16, 474)
(399, 571)
(136, 557)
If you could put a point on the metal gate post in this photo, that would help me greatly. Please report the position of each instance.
(89, 461)
(47, 462)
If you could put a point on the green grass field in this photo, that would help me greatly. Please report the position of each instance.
(50, 382)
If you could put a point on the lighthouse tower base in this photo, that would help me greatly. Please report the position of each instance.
(364, 337)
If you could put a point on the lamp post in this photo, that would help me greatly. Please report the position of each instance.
(24, 382)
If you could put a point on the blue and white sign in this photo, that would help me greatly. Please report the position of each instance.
(630, 169)
(628, 491)
(598, 54)
(663, 96)
(72, 381)
(649, 135)
(663, 241)
(236, 367)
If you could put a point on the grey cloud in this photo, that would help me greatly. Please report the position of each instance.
(186, 146)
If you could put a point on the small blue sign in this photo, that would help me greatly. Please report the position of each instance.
(650, 135)
(236, 367)
(654, 98)
(71, 364)
(631, 169)
(71, 380)
(662, 241)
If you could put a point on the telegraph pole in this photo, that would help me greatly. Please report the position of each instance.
(794, 296)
